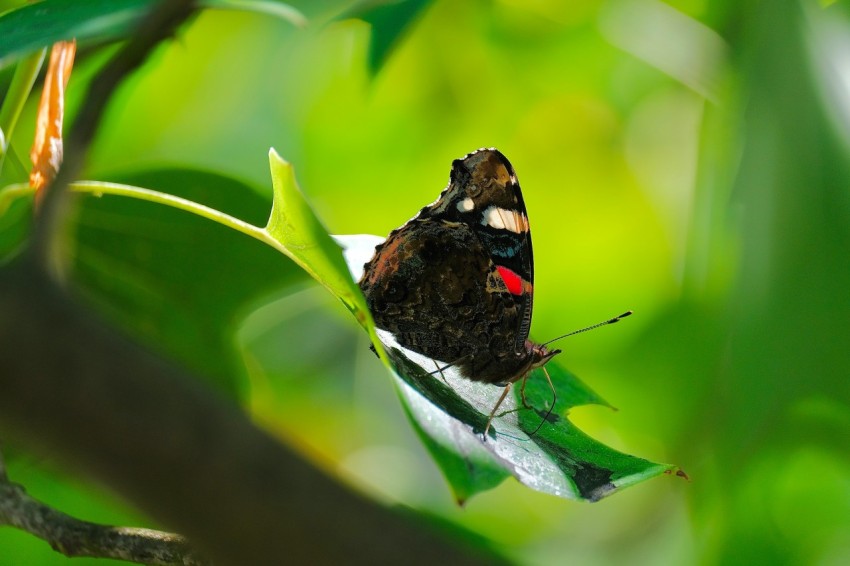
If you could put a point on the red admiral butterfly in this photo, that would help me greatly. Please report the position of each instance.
(456, 283)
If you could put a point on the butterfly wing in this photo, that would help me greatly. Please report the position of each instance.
(484, 194)
(455, 283)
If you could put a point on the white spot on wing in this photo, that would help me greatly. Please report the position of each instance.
(503, 219)
(466, 205)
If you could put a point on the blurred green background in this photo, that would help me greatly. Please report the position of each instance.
(687, 160)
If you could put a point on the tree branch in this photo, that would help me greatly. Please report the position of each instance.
(3, 476)
(79, 391)
(73, 537)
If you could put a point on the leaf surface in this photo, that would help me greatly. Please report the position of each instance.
(450, 414)
(176, 280)
(389, 22)
(40, 24)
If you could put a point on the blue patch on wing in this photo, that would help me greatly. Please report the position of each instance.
(505, 251)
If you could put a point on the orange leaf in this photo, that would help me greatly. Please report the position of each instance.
(46, 153)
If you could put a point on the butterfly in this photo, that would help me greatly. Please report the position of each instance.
(456, 282)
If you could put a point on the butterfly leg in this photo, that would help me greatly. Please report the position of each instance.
(439, 369)
(552, 387)
(496, 408)
(522, 392)
(554, 400)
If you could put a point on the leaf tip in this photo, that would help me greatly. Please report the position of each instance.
(276, 159)
(283, 173)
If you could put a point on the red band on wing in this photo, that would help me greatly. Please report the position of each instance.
(512, 281)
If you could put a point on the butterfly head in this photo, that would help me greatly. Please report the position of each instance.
(539, 354)
(527, 359)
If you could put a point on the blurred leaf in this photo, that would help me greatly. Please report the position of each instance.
(176, 279)
(450, 418)
(280, 10)
(15, 213)
(16, 96)
(40, 24)
(786, 315)
(389, 20)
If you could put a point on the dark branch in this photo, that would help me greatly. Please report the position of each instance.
(79, 391)
(73, 537)
(3, 476)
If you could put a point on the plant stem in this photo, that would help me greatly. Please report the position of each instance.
(11, 192)
(99, 188)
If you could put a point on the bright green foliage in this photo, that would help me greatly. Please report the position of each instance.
(389, 21)
(40, 24)
(684, 159)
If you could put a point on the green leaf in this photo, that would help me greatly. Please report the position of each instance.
(15, 213)
(389, 22)
(301, 236)
(16, 96)
(175, 280)
(450, 415)
(41, 24)
(38, 25)
(280, 10)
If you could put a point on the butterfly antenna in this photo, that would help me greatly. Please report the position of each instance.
(554, 400)
(597, 325)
